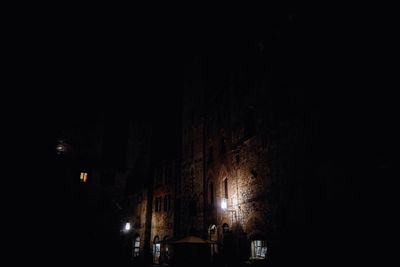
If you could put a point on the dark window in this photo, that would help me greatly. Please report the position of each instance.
(192, 208)
(211, 193)
(222, 146)
(165, 203)
(210, 156)
(158, 204)
(226, 188)
(237, 159)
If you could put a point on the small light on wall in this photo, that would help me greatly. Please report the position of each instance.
(127, 226)
(62, 147)
(224, 203)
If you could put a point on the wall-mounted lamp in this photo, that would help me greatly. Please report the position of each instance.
(224, 203)
(127, 226)
(224, 207)
(62, 147)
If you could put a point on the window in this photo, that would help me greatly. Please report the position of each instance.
(258, 249)
(192, 149)
(136, 247)
(211, 193)
(167, 202)
(222, 146)
(225, 228)
(158, 176)
(166, 249)
(156, 249)
(158, 203)
(226, 188)
(210, 156)
(192, 208)
(83, 177)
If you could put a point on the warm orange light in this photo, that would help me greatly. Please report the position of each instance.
(83, 177)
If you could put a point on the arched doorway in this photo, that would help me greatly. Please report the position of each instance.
(213, 238)
(165, 251)
(225, 228)
(212, 233)
(156, 249)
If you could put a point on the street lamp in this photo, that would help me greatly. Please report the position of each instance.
(127, 226)
(224, 207)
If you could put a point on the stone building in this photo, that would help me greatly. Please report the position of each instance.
(163, 218)
(243, 151)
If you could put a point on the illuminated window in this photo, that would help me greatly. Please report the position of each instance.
(156, 249)
(136, 247)
(83, 177)
(258, 249)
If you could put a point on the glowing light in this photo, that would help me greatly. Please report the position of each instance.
(62, 147)
(83, 177)
(127, 226)
(224, 204)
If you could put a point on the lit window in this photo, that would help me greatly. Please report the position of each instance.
(258, 249)
(136, 247)
(83, 177)
(156, 249)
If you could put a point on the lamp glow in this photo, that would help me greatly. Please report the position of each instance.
(224, 203)
(127, 226)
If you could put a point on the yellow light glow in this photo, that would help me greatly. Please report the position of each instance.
(83, 177)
